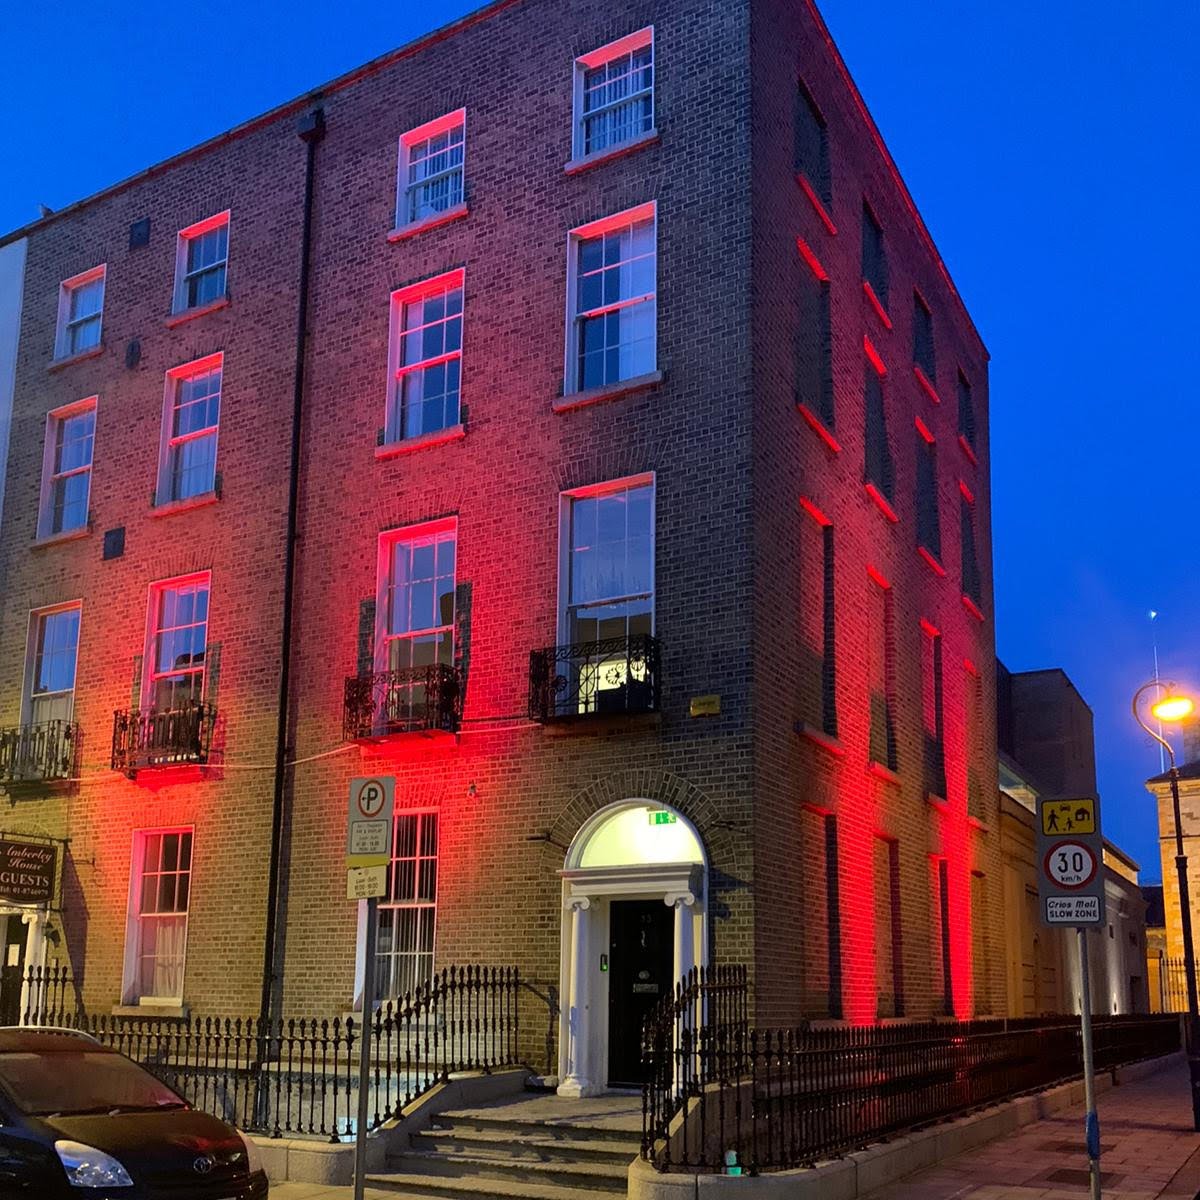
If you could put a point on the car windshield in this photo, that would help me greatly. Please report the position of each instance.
(84, 1081)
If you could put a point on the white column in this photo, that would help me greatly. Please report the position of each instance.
(684, 904)
(35, 959)
(575, 1081)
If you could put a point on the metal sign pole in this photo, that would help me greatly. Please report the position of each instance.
(1091, 1121)
(364, 1051)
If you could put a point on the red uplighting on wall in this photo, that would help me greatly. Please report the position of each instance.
(877, 304)
(815, 200)
(927, 384)
(818, 427)
(814, 263)
(884, 507)
(814, 511)
(873, 355)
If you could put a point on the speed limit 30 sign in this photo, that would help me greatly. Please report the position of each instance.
(1071, 854)
(1070, 864)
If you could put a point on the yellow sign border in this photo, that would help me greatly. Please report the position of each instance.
(1076, 830)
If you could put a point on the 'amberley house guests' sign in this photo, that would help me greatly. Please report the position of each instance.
(27, 871)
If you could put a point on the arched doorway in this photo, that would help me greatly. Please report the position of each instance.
(634, 921)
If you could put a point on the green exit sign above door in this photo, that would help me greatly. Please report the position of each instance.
(659, 817)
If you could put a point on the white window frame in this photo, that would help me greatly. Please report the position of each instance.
(572, 381)
(411, 294)
(64, 325)
(133, 926)
(36, 616)
(421, 814)
(383, 572)
(183, 239)
(168, 441)
(566, 501)
(597, 58)
(148, 657)
(54, 419)
(415, 137)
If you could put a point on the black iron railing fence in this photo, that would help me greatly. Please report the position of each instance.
(300, 1076)
(156, 737)
(411, 700)
(719, 1092)
(1172, 991)
(42, 751)
(612, 676)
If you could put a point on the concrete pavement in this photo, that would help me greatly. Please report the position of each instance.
(1148, 1150)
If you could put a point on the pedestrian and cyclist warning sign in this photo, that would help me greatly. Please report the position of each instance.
(1071, 857)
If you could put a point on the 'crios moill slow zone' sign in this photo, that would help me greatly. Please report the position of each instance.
(27, 871)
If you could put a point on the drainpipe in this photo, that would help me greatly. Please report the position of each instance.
(311, 130)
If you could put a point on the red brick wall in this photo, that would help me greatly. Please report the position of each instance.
(731, 456)
(239, 539)
(791, 461)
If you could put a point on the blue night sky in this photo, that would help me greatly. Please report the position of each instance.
(1051, 148)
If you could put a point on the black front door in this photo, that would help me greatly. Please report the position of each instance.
(11, 967)
(640, 953)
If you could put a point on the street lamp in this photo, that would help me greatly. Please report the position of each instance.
(1171, 707)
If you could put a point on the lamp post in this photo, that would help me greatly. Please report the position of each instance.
(1170, 708)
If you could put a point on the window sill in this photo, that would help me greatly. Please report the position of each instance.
(587, 161)
(61, 364)
(191, 314)
(54, 539)
(165, 1011)
(438, 437)
(819, 426)
(877, 305)
(978, 823)
(612, 391)
(973, 609)
(602, 724)
(927, 384)
(884, 507)
(938, 802)
(168, 507)
(883, 772)
(935, 566)
(965, 446)
(816, 201)
(819, 737)
(403, 232)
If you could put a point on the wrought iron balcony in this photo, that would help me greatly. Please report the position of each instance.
(610, 677)
(410, 700)
(150, 737)
(45, 751)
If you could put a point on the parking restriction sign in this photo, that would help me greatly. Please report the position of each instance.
(369, 834)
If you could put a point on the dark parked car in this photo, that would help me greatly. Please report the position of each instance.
(80, 1120)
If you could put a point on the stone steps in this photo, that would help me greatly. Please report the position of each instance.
(502, 1154)
(402, 1186)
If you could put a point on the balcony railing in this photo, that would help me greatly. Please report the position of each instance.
(45, 751)
(612, 676)
(410, 700)
(150, 737)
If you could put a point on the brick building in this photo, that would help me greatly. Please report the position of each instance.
(640, 530)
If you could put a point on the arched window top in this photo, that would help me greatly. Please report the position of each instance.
(635, 832)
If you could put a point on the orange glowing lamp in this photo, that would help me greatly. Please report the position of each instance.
(1174, 708)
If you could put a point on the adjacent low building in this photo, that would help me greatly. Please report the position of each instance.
(1047, 748)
